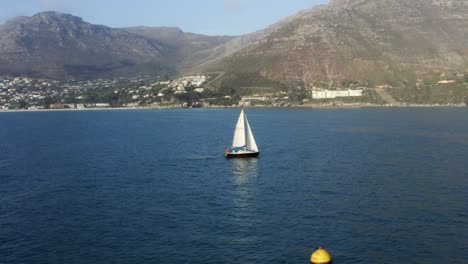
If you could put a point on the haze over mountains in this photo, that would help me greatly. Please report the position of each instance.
(362, 41)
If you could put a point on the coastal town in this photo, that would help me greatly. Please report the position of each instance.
(195, 91)
(35, 94)
(188, 91)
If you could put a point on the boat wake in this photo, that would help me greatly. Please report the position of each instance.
(4, 162)
(201, 157)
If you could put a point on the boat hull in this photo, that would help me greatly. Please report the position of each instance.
(242, 155)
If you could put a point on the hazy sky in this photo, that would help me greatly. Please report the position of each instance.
(211, 17)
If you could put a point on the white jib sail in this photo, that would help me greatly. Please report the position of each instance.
(239, 133)
(250, 140)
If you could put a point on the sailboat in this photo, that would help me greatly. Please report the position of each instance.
(243, 144)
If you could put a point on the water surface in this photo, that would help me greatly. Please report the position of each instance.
(371, 185)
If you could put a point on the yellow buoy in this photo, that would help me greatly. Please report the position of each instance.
(320, 256)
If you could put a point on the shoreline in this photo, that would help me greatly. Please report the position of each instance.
(311, 106)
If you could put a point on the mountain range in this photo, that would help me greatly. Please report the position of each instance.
(367, 42)
(57, 45)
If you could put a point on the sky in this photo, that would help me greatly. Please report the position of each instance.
(209, 17)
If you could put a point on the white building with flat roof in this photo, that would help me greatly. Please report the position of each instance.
(255, 98)
(450, 3)
(329, 94)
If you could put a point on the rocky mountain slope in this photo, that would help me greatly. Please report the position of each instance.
(371, 42)
(184, 49)
(59, 45)
(361, 42)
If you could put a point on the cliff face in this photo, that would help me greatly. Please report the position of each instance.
(369, 41)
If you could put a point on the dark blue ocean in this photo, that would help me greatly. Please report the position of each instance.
(152, 186)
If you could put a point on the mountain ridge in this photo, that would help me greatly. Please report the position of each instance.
(360, 42)
(57, 45)
(187, 48)
(368, 41)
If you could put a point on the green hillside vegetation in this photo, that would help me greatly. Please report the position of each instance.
(432, 94)
(245, 83)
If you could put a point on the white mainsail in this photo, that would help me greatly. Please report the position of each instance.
(239, 133)
(243, 136)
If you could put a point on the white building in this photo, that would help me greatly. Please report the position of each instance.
(132, 105)
(447, 82)
(255, 98)
(328, 94)
(450, 3)
(102, 105)
(245, 103)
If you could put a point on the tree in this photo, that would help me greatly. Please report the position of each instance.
(299, 95)
(71, 98)
(92, 98)
(112, 98)
(23, 104)
(48, 101)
